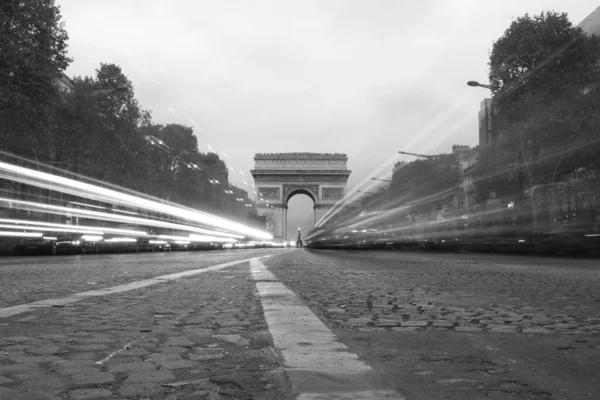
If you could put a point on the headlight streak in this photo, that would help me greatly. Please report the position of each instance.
(82, 189)
(120, 239)
(61, 226)
(41, 228)
(205, 238)
(21, 234)
(92, 238)
(60, 210)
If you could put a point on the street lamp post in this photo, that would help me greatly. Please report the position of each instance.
(519, 172)
(475, 84)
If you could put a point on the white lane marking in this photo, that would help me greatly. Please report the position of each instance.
(23, 308)
(318, 365)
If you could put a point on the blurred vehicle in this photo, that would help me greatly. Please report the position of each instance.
(7, 244)
(79, 244)
(153, 245)
(180, 245)
(119, 244)
(42, 245)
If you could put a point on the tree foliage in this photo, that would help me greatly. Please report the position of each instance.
(95, 131)
(426, 184)
(544, 74)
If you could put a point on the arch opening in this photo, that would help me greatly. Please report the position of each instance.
(300, 214)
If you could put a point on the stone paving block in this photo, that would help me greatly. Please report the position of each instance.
(20, 359)
(387, 322)
(93, 378)
(75, 364)
(207, 354)
(130, 367)
(89, 347)
(234, 322)
(77, 371)
(137, 390)
(160, 358)
(179, 342)
(51, 383)
(161, 375)
(443, 323)
(16, 368)
(371, 329)
(44, 350)
(178, 364)
(4, 380)
(235, 339)
(134, 352)
(28, 394)
(96, 340)
(55, 337)
(174, 350)
(18, 339)
(468, 329)
(91, 394)
(502, 328)
(407, 329)
(414, 324)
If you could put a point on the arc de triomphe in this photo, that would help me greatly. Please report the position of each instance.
(280, 176)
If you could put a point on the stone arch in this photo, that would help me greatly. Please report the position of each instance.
(280, 176)
(292, 190)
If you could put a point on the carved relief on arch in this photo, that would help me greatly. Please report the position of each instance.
(269, 193)
(290, 189)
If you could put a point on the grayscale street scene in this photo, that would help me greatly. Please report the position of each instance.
(316, 200)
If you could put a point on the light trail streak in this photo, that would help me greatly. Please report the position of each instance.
(60, 210)
(21, 234)
(17, 222)
(204, 238)
(66, 185)
(41, 228)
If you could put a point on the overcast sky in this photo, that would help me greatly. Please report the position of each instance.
(366, 78)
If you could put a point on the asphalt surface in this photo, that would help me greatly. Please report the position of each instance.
(431, 325)
(459, 326)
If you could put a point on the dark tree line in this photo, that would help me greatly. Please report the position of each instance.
(93, 130)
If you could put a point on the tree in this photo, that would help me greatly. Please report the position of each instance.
(34, 52)
(424, 184)
(33, 55)
(544, 73)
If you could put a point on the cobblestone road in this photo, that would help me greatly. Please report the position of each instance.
(201, 337)
(448, 326)
(27, 279)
